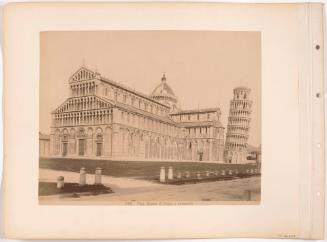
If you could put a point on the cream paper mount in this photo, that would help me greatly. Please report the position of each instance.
(200, 120)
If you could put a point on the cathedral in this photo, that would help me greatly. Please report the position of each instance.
(105, 119)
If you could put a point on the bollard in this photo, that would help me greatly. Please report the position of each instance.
(251, 171)
(247, 195)
(82, 177)
(230, 172)
(187, 174)
(179, 175)
(198, 175)
(207, 173)
(98, 172)
(162, 174)
(170, 173)
(60, 182)
(223, 172)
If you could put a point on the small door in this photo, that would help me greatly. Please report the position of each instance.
(64, 149)
(99, 149)
(81, 147)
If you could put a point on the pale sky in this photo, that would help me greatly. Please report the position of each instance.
(202, 67)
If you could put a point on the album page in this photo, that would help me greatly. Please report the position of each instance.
(197, 120)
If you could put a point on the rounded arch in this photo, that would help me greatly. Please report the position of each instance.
(64, 131)
(72, 133)
(81, 132)
(98, 130)
(89, 132)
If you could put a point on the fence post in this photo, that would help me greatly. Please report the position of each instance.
(247, 195)
(170, 173)
(98, 172)
(162, 174)
(60, 182)
(82, 177)
(198, 175)
(179, 175)
(187, 174)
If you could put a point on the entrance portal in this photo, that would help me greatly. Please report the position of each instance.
(81, 147)
(99, 149)
(64, 149)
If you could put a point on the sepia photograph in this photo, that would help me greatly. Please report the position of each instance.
(150, 117)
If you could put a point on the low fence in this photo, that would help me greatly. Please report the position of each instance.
(169, 176)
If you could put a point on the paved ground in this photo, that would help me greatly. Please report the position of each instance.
(145, 170)
(129, 190)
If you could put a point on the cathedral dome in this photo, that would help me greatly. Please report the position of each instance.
(164, 94)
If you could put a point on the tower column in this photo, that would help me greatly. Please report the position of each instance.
(237, 128)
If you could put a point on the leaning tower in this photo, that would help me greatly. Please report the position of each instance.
(238, 127)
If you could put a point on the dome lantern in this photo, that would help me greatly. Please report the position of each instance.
(163, 78)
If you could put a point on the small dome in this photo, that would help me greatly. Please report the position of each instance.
(164, 94)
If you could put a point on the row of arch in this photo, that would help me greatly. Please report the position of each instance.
(142, 144)
(82, 74)
(131, 143)
(81, 118)
(241, 113)
(82, 89)
(235, 157)
(82, 103)
(82, 141)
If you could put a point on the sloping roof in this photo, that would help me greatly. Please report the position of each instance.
(201, 123)
(192, 111)
(126, 107)
(242, 88)
(252, 148)
(165, 119)
(44, 136)
(67, 100)
(84, 73)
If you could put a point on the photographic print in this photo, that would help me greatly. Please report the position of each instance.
(150, 117)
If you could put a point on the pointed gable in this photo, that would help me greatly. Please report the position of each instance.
(82, 74)
(93, 101)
